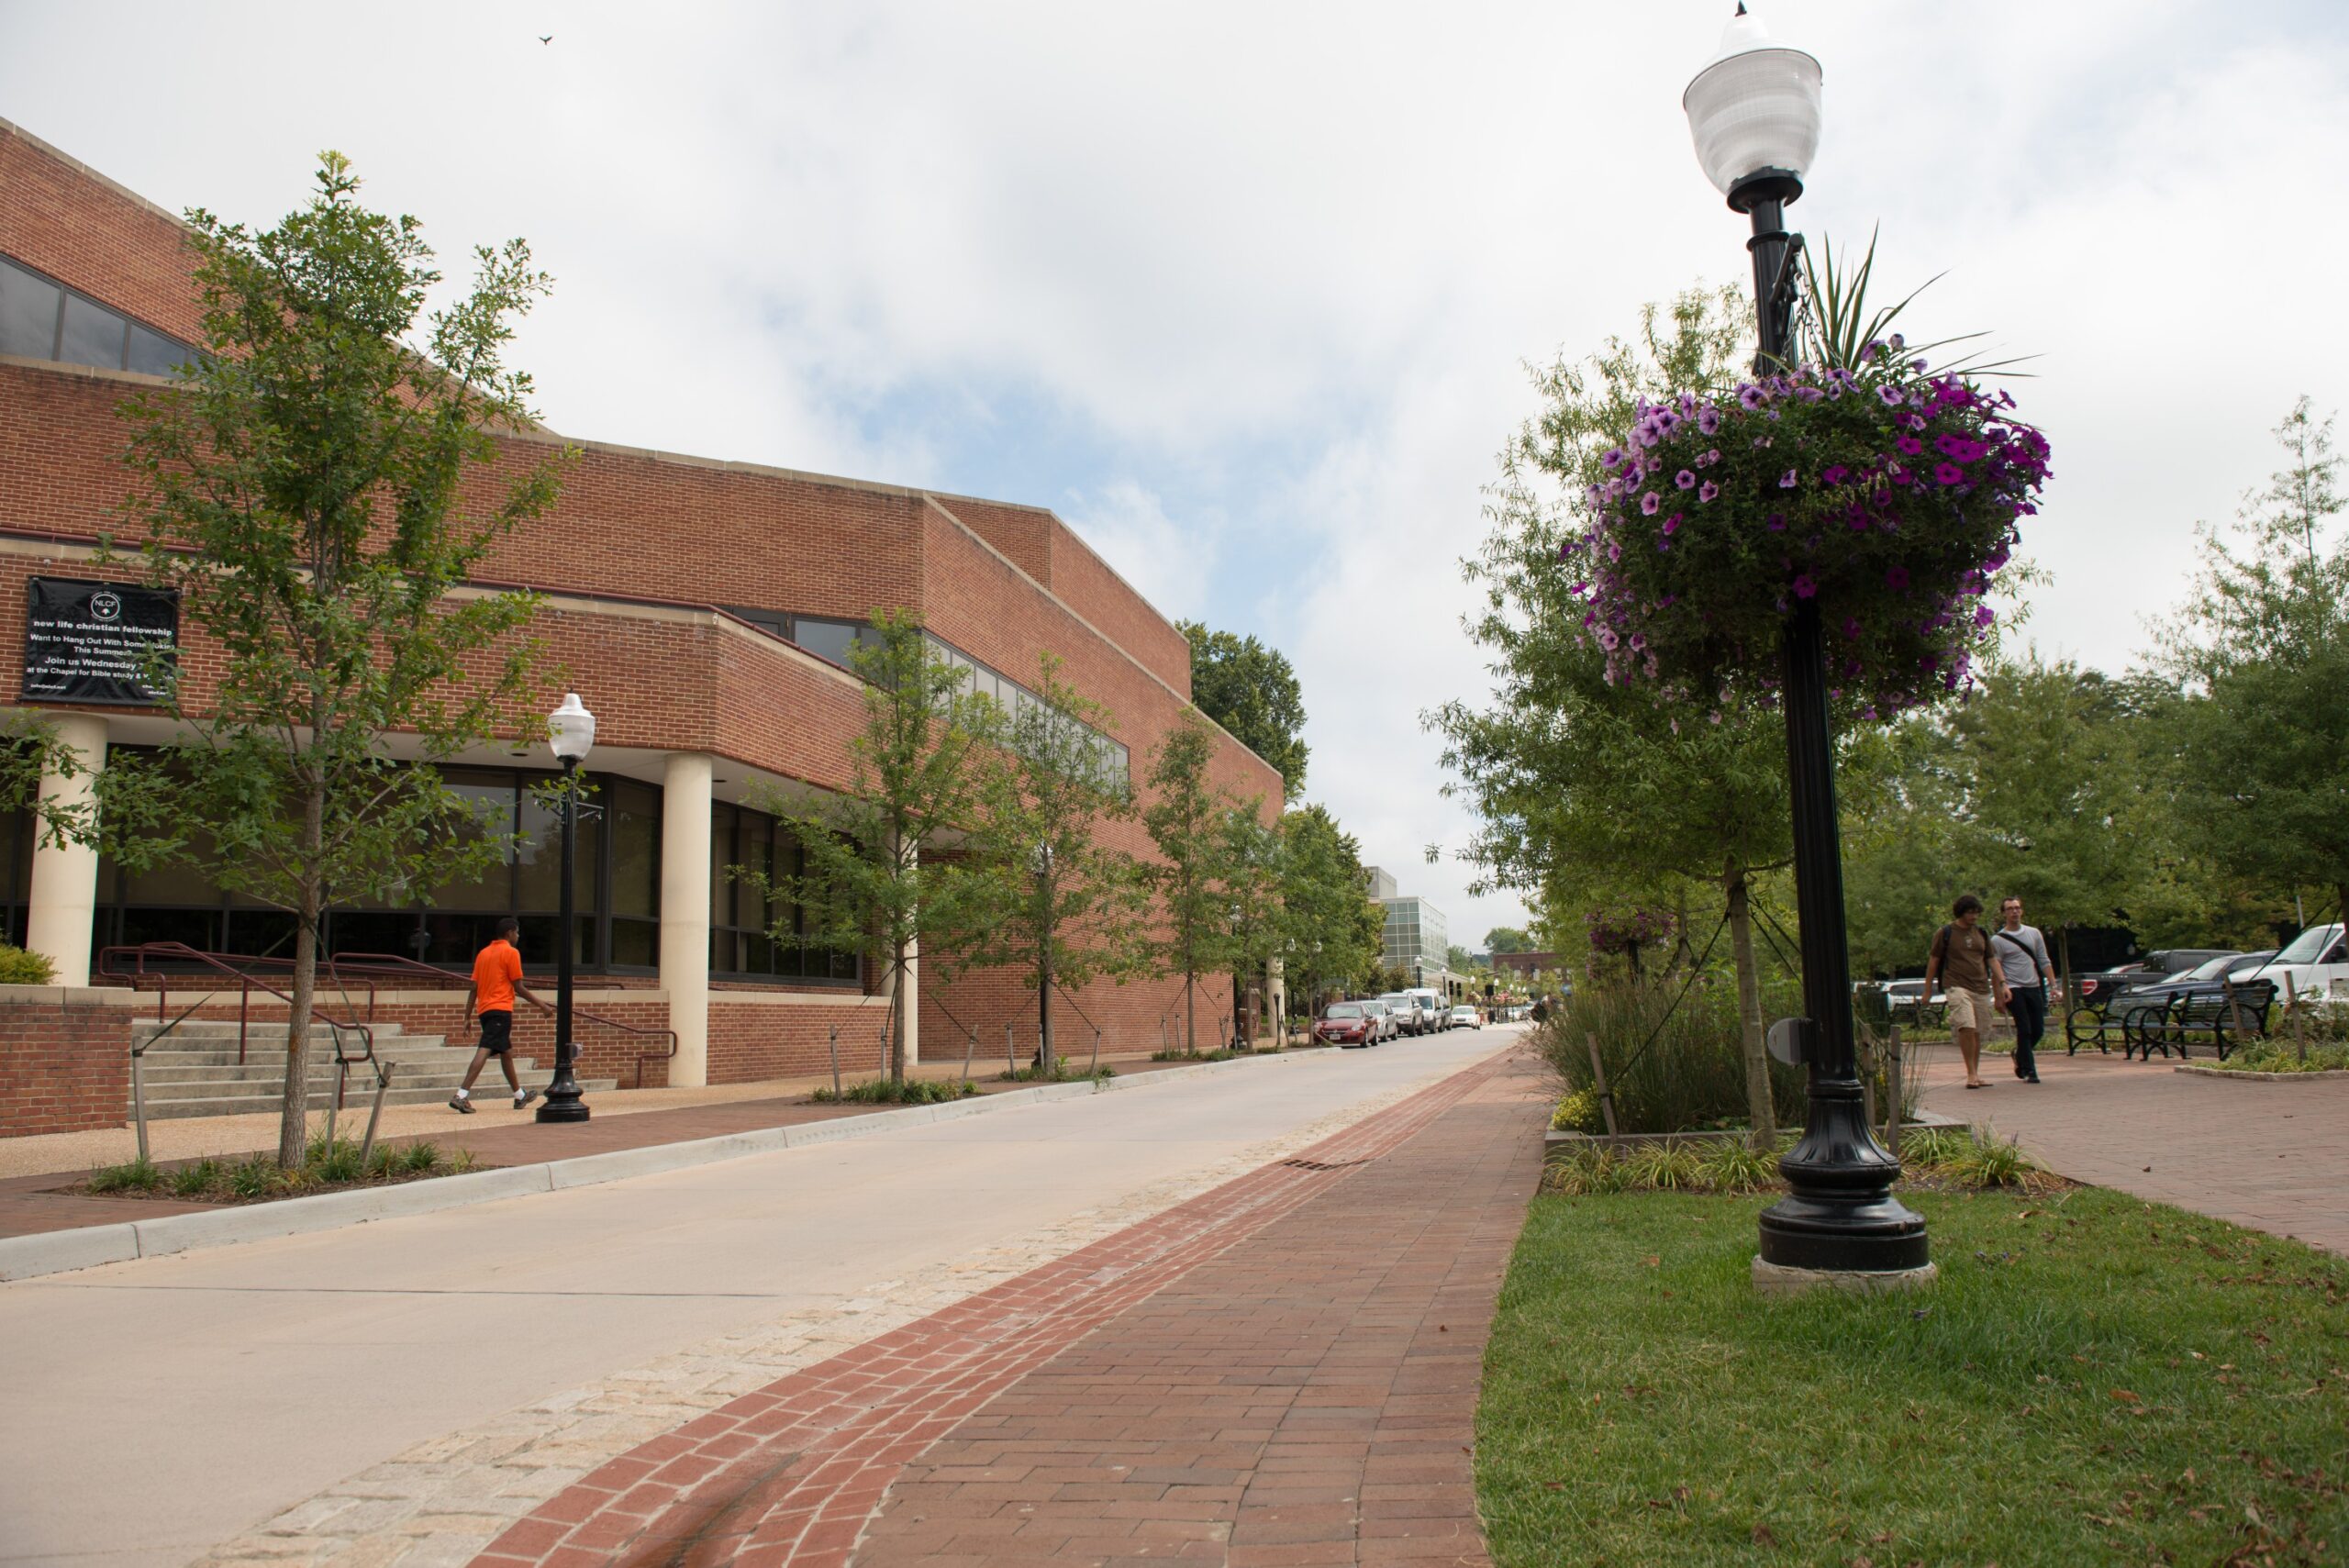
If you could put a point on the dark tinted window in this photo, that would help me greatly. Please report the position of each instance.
(152, 353)
(825, 638)
(94, 335)
(28, 313)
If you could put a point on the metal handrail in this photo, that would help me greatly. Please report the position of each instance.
(246, 980)
(370, 965)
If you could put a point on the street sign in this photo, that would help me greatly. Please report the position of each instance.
(96, 642)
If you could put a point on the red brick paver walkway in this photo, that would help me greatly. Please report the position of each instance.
(1281, 1371)
(2273, 1156)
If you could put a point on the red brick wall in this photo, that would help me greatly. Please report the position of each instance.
(753, 1040)
(63, 220)
(65, 1066)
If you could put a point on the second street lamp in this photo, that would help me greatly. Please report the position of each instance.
(1755, 114)
(570, 730)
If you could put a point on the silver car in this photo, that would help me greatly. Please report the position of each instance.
(1385, 1016)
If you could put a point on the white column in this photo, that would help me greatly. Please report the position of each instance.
(685, 911)
(66, 877)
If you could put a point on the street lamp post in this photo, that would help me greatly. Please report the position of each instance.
(1755, 114)
(570, 730)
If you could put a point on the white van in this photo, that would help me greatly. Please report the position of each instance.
(1435, 1013)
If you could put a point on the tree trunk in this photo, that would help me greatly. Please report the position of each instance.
(1044, 1005)
(1759, 1111)
(898, 971)
(294, 1115)
(1190, 1015)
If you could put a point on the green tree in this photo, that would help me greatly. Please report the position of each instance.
(1251, 691)
(1203, 866)
(1329, 928)
(880, 864)
(1576, 780)
(1507, 939)
(313, 489)
(2261, 651)
(1055, 899)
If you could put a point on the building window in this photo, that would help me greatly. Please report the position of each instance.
(823, 636)
(42, 319)
(616, 890)
(756, 937)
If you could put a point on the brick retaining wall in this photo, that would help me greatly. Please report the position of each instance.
(64, 1060)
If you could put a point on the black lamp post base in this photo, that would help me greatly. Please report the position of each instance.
(566, 1101)
(1841, 1215)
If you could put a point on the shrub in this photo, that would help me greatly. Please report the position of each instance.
(897, 1091)
(252, 1178)
(332, 1160)
(1732, 1167)
(139, 1175)
(1200, 1055)
(1664, 1168)
(1062, 1073)
(2283, 1055)
(1670, 1069)
(1996, 1163)
(18, 967)
(196, 1180)
(1578, 1112)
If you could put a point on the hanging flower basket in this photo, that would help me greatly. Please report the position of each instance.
(1884, 496)
(1628, 930)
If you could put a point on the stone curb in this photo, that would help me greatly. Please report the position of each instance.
(60, 1251)
(2240, 1076)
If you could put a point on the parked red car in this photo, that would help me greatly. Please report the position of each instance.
(1345, 1023)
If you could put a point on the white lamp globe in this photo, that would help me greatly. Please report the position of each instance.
(1754, 109)
(570, 729)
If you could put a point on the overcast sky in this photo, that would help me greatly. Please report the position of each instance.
(1245, 291)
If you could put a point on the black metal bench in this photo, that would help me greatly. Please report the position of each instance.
(2144, 1025)
(2228, 1015)
(2095, 1024)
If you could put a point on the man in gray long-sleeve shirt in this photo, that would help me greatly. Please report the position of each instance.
(2031, 981)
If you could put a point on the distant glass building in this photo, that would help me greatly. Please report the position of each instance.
(1418, 941)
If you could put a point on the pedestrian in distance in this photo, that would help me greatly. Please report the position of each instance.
(2031, 981)
(1961, 958)
(497, 980)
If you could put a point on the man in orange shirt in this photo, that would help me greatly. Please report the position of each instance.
(497, 980)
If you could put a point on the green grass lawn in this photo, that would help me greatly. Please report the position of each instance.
(2093, 1380)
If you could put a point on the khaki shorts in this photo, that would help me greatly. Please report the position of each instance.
(1970, 1009)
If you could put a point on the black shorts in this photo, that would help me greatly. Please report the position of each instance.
(498, 1031)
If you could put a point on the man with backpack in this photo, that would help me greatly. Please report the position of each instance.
(2031, 981)
(1961, 958)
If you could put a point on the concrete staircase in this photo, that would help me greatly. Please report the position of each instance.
(193, 1070)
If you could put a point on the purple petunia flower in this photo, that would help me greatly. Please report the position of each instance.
(1613, 459)
(1685, 479)
(1806, 586)
(1896, 578)
(1835, 475)
(1777, 522)
(1908, 444)
(1890, 394)
(1614, 549)
(1709, 421)
(1786, 480)
(1949, 474)
(1649, 504)
(1672, 523)
(1749, 397)
(1707, 490)
(1984, 616)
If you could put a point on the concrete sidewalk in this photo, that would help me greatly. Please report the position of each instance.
(1282, 1370)
(405, 1389)
(2271, 1156)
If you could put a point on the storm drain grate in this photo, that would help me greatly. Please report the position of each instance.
(1324, 1165)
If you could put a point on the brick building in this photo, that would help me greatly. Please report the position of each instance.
(702, 609)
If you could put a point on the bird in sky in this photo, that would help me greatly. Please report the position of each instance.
(546, 37)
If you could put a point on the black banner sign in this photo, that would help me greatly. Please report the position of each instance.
(94, 642)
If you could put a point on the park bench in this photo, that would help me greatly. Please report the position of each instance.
(2228, 1015)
